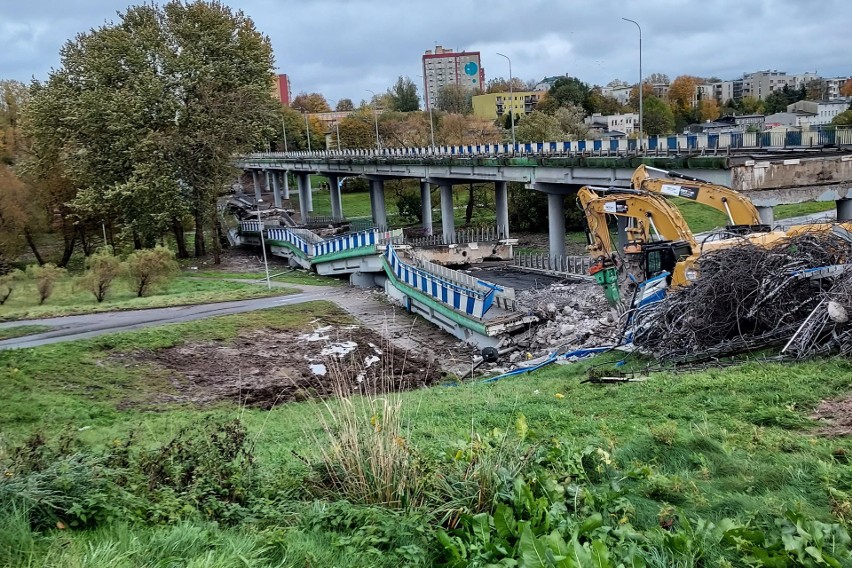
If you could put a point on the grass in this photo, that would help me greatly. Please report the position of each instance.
(295, 277)
(69, 299)
(21, 330)
(732, 442)
(807, 208)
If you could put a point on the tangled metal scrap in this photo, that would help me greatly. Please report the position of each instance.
(796, 294)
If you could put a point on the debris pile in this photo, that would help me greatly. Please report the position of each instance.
(795, 294)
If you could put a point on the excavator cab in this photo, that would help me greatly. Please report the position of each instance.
(662, 256)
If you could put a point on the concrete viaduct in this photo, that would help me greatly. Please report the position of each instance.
(768, 178)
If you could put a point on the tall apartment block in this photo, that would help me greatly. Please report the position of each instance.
(281, 89)
(448, 67)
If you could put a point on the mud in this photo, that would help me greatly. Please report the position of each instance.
(835, 417)
(265, 368)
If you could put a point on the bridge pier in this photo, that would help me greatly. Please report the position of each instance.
(844, 209)
(256, 185)
(501, 202)
(303, 183)
(276, 190)
(268, 185)
(426, 206)
(309, 192)
(286, 175)
(448, 223)
(377, 203)
(556, 224)
(336, 202)
(767, 215)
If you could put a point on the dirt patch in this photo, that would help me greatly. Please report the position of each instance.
(835, 417)
(263, 368)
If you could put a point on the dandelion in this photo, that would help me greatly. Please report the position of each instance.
(559, 395)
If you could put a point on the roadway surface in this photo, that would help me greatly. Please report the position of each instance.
(72, 328)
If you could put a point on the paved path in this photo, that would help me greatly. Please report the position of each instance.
(70, 328)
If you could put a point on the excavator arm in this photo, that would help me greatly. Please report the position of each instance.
(737, 208)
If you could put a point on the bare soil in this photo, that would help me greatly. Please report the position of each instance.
(264, 368)
(835, 417)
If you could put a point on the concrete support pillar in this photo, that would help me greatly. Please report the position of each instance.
(377, 203)
(268, 180)
(448, 223)
(309, 192)
(501, 202)
(336, 202)
(286, 176)
(426, 206)
(276, 190)
(767, 216)
(556, 224)
(256, 185)
(302, 182)
(844, 209)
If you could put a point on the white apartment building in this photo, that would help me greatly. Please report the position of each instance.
(626, 123)
(823, 111)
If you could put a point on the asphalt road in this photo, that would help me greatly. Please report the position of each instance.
(71, 328)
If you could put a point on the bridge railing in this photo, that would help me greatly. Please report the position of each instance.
(542, 262)
(483, 234)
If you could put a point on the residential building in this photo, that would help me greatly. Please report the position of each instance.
(823, 111)
(743, 122)
(495, 105)
(621, 94)
(661, 90)
(798, 119)
(833, 86)
(281, 89)
(547, 82)
(447, 67)
(613, 124)
(761, 83)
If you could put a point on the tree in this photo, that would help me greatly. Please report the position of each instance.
(603, 104)
(816, 90)
(616, 83)
(8, 282)
(751, 105)
(571, 123)
(657, 79)
(843, 119)
(102, 268)
(647, 91)
(182, 88)
(150, 267)
(777, 100)
(682, 94)
(538, 127)
(708, 109)
(403, 95)
(344, 105)
(310, 102)
(45, 277)
(357, 130)
(846, 88)
(454, 99)
(501, 85)
(568, 90)
(13, 97)
(657, 116)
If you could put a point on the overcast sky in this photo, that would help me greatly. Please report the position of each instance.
(341, 48)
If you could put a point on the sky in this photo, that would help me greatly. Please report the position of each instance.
(342, 48)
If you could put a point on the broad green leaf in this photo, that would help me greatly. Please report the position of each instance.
(533, 551)
(600, 555)
(590, 524)
(504, 521)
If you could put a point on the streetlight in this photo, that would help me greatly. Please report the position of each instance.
(376, 116)
(284, 130)
(263, 245)
(511, 100)
(640, 77)
(308, 131)
(426, 100)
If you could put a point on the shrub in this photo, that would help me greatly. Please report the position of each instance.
(102, 268)
(150, 267)
(45, 277)
(8, 282)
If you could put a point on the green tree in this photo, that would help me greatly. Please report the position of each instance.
(537, 127)
(45, 277)
(604, 104)
(8, 281)
(454, 99)
(571, 123)
(149, 268)
(843, 119)
(501, 85)
(777, 100)
(567, 90)
(13, 97)
(404, 96)
(344, 105)
(102, 268)
(751, 105)
(358, 130)
(147, 113)
(310, 102)
(657, 116)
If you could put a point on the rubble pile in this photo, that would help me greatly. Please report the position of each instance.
(574, 315)
(795, 294)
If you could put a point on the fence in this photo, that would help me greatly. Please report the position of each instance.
(503, 298)
(472, 235)
(311, 245)
(542, 262)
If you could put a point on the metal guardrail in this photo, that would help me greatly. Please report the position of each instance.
(472, 235)
(503, 298)
(560, 265)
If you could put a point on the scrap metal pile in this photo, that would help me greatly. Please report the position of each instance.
(796, 294)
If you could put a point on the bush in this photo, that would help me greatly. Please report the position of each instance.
(8, 282)
(45, 277)
(150, 267)
(102, 268)
(408, 204)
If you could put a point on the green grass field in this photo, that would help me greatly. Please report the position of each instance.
(722, 457)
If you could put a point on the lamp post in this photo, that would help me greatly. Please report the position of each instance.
(426, 100)
(640, 77)
(263, 245)
(376, 117)
(308, 131)
(284, 130)
(511, 100)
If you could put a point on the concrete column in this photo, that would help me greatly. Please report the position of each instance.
(448, 223)
(844, 209)
(276, 190)
(767, 216)
(377, 203)
(556, 224)
(268, 182)
(309, 192)
(336, 203)
(256, 185)
(301, 180)
(286, 176)
(501, 202)
(426, 205)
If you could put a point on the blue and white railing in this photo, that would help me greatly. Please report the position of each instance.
(311, 245)
(469, 301)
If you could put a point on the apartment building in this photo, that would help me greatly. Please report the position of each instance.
(496, 105)
(281, 89)
(447, 67)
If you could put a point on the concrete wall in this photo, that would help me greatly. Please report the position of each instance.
(794, 180)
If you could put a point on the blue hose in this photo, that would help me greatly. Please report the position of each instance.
(579, 353)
